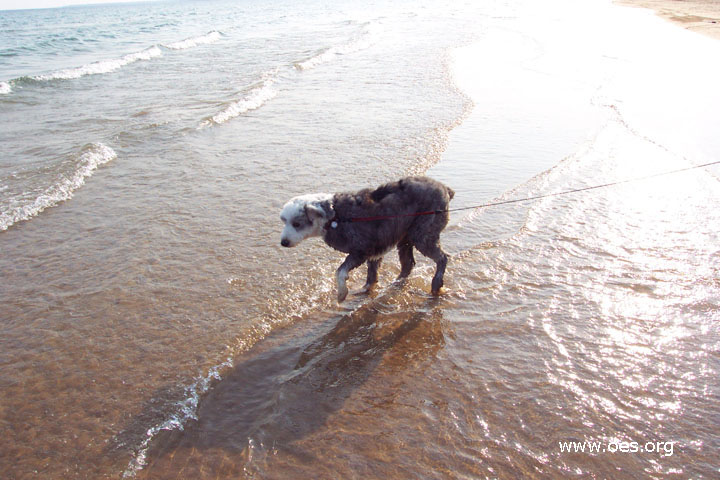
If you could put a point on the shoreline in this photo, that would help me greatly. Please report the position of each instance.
(701, 16)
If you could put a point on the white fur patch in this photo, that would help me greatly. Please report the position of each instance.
(297, 225)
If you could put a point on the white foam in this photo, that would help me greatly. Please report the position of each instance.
(91, 157)
(103, 66)
(357, 44)
(107, 66)
(183, 411)
(5, 88)
(186, 410)
(256, 98)
(208, 38)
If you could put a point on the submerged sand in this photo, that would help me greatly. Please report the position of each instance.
(702, 16)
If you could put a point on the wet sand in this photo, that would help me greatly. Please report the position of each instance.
(702, 16)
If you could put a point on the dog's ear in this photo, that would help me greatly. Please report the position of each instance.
(314, 211)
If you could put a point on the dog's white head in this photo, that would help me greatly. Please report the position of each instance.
(304, 217)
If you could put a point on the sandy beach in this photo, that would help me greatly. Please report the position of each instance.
(702, 16)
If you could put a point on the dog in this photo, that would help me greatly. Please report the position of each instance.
(409, 213)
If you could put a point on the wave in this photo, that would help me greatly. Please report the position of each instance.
(206, 39)
(5, 88)
(260, 95)
(91, 157)
(254, 99)
(361, 42)
(103, 66)
(107, 66)
(182, 412)
(317, 296)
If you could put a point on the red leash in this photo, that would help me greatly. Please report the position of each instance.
(390, 217)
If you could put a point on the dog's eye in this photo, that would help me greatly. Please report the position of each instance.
(296, 224)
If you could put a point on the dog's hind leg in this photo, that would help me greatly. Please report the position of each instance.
(433, 251)
(372, 273)
(407, 261)
(351, 262)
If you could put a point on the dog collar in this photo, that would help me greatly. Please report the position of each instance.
(335, 221)
(332, 223)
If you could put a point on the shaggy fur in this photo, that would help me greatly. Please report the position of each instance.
(331, 217)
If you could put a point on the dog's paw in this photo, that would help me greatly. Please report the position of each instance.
(437, 284)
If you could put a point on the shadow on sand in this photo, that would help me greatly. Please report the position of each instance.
(288, 386)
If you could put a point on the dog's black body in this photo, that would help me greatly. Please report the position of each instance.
(369, 223)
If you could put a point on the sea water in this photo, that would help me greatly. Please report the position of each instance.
(153, 327)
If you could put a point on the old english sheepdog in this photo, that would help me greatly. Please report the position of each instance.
(368, 224)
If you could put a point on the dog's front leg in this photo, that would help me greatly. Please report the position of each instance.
(351, 261)
(372, 273)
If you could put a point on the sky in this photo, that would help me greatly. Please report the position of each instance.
(16, 4)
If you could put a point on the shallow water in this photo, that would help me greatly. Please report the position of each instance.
(153, 327)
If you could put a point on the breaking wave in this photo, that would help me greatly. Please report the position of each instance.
(208, 38)
(111, 65)
(317, 293)
(5, 88)
(266, 90)
(103, 66)
(255, 98)
(91, 157)
(360, 42)
(183, 411)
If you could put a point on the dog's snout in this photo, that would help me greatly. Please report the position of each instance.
(285, 242)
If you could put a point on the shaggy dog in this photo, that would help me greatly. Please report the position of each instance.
(367, 224)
